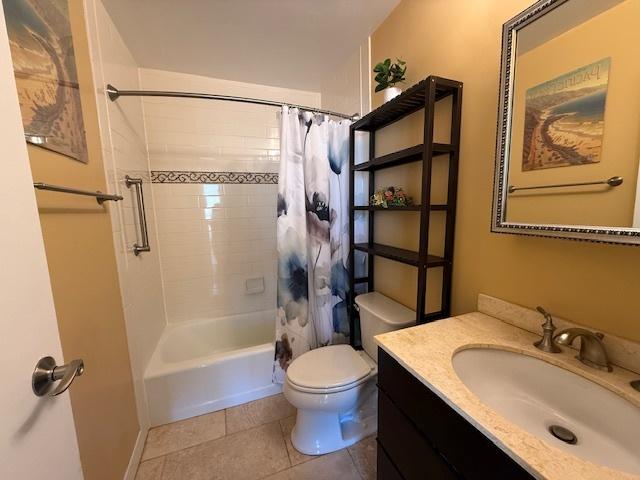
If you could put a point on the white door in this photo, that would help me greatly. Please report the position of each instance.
(37, 434)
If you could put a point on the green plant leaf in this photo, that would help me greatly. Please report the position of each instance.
(388, 74)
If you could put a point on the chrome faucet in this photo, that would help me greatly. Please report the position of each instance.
(546, 343)
(592, 351)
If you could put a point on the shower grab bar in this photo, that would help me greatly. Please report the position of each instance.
(612, 182)
(142, 218)
(99, 196)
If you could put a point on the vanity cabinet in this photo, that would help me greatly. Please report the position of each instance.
(421, 437)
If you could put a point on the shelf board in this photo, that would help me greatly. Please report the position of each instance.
(371, 208)
(399, 254)
(407, 155)
(439, 208)
(359, 280)
(409, 101)
(408, 208)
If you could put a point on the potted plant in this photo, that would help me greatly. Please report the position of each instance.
(388, 75)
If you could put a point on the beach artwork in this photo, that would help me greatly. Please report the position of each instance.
(564, 119)
(45, 70)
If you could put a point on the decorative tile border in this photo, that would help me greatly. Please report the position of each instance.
(178, 176)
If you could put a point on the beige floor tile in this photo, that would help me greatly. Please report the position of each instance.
(183, 434)
(248, 455)
(364, 455)
(294, 455)
(259, 412)
(333, 466)
(151, 469)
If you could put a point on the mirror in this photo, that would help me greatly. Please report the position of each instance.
(569, 122)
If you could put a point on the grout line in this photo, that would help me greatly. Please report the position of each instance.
(164, 462)
(161, 457)
(282, 434)
(263, 422)
(355, 465)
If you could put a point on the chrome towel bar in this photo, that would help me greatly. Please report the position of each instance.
(612, 182)
(142, 218)
(100, 197)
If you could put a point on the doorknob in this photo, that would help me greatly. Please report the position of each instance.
(47, 372)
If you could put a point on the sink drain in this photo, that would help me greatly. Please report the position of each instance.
(564, 434)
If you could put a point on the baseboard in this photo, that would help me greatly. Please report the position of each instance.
(136, 455)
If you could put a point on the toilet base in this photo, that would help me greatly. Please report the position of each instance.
(317, 432)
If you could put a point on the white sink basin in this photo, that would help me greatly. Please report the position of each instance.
(536, 395)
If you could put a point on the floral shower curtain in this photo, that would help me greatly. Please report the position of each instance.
(312, 235)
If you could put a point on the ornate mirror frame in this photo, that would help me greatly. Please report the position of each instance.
(499, 224)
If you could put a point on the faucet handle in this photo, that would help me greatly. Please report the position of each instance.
(546, 343)
(542, 311)
(548, 318)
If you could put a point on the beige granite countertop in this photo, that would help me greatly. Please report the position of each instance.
(426, 351)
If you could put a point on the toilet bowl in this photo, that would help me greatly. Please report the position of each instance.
(334, 387)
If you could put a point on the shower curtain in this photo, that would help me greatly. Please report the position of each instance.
(312, 235)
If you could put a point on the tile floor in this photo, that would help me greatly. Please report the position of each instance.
(247, 442)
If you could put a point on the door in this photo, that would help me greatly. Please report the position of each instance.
(37, 434)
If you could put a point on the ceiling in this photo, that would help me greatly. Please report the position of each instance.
(284, 43)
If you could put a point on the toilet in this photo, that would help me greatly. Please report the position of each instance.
(334, 387)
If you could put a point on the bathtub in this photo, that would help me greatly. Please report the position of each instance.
(201, 366)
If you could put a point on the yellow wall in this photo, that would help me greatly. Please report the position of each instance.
(613, 34)
(593, 284)
(79, 244)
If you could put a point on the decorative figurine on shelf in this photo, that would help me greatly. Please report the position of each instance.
(390, 197)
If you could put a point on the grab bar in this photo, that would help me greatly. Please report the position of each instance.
(142, 218)
(100, 197)
(612, 182)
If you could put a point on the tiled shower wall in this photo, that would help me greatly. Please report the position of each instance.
(124, 152)
(216, 240)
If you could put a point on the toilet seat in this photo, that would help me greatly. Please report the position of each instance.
(328, 369)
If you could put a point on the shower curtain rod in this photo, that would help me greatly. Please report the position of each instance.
(114, 94)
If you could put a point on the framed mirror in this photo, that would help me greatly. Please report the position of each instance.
(568, 145)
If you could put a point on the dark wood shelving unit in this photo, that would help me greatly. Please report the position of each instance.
(408, 155)
(399, 254)
(408, 208)
(423, 95)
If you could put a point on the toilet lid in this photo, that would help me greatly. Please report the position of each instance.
(328, 367)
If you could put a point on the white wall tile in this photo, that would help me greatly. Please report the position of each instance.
(124, 149)
(213, 237)
(214, 135)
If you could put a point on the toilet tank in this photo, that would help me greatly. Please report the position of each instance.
(380, 314)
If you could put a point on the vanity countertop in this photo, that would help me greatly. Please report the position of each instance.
(426, 351)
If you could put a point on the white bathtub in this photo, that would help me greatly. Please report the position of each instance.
(206, 365)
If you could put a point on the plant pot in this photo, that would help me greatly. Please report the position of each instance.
(391, 92)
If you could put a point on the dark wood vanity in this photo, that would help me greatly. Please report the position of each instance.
(421, 437)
